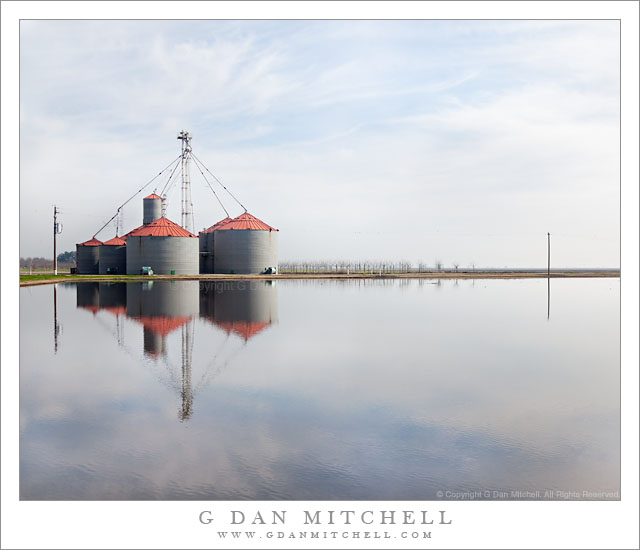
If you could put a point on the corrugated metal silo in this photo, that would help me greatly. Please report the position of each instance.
(165, 247)
(88, 257)
(207, 237)
(113, 257)
(151, 208)
(203, 251)
(245, 245)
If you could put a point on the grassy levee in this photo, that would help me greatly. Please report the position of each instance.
(40, 279)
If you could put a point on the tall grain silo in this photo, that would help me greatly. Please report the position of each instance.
(88, 257)
(113, 257)
(151, 208)
(165, 247)
(206, 238)
(245, 245)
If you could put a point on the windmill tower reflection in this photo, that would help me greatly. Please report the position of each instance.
(186, 391)
(241, 309)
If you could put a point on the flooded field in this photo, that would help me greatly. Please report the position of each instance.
(320, 390)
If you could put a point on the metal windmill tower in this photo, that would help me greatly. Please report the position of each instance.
(187, 206)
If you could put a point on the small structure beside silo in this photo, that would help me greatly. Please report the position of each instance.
(165, 247)
(151, 208)
(113, 257)
(206, 246)
(245, 245)
(88, 257)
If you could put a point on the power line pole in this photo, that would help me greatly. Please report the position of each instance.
(56, 211)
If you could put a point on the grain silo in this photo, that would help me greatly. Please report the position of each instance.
(206, 258)
(113, 257)
(245, 245)
(206, 238)
(88, 257)
(163, 246)
(151, 208)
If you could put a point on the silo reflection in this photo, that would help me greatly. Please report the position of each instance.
(88, 296)
(244, 308)
(240, 308)
(161, 308)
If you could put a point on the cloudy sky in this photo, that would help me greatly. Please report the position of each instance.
(458, 141)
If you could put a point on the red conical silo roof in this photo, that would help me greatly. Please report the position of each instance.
(245, 221)
(162, 227)
(153, 196)
(90, 242)
(216, 225)
(116, 241)
(162, 325)
(244, 329)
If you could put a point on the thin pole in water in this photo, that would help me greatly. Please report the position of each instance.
(548, 254)
(548, 274)
(55, 319)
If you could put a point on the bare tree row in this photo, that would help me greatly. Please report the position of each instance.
(378, 266)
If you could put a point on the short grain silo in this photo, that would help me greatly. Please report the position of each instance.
(245, 245)
(88, 257)
(206, 238)
(163, 246)
(113, 257)
(151, 208)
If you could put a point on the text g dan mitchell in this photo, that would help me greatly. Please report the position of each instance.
(330, 517)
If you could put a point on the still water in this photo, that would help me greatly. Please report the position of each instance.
(320, 390)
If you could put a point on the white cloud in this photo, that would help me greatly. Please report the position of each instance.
(424, 130)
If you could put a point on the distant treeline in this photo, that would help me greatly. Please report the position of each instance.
(65, 259)
(341, 266)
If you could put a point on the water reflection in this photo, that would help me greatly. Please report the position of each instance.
(366, 390)
(56, 326)
(548, 297)
(241, 308)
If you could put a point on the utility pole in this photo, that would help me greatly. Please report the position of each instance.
(55, 232)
